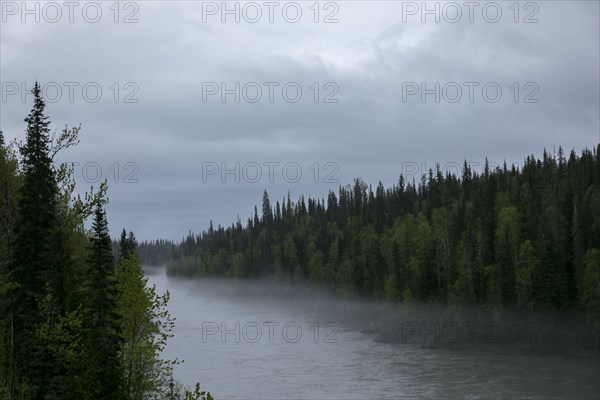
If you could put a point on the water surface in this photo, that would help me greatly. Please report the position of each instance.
(242, 346)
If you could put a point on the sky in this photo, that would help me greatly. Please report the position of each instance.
(191, 109)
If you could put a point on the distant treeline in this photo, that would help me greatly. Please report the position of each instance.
(517, 237)
(154, 252)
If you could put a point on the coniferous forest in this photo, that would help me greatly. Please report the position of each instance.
(77, 320)
(80, 322)
(509, 238)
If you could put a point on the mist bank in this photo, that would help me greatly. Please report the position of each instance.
(566, 333)
(252, 342)
(569, 332)
(520, 239)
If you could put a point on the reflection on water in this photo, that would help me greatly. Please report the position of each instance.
(263, 347)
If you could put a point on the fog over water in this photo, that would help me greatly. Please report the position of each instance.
(242, 341)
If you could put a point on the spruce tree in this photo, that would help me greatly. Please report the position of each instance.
(9, 187)
(267, 211)
(102, 320)
(37, 211)
(32, 265)
(123, 251)
(132, 243)
(127, 245)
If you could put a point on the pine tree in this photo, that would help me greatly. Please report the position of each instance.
(10, 183)
(9, 187)
(503, 236)
(36, 219)
(127, 245)
(123, 250)
(132, 243)
(102, 320)
(33, 261)
(65, 317)
(267, 211)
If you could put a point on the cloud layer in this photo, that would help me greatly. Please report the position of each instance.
(361, 109)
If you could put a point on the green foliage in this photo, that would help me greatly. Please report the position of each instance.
(146, 327)
(10, 183)
(391, 288)
(155, 252)
(127, 245)
(176, 391)
(507, 240)
(67, 325)
(504, 237)
(60, 352)
(33, 263)
(103, 323)
(198, 394)
(527, 265)
(591, 282)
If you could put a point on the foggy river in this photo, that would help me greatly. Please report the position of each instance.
(248, 346)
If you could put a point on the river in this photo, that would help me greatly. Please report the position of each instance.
(248, 346)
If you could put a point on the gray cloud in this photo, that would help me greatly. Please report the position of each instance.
(370, 133)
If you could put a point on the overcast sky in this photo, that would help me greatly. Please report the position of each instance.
(361, 69)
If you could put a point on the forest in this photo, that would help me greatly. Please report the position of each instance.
(78, 320)
(506, 238)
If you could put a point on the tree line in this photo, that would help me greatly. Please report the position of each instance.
(77, 321)
(154, 252)
(505, 237)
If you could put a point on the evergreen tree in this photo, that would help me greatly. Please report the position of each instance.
(504, 237)
(33, 263)
(66, 328)
(127, 244)
(102, 320)
(123, 249)
(10, 182)
(267, 211)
